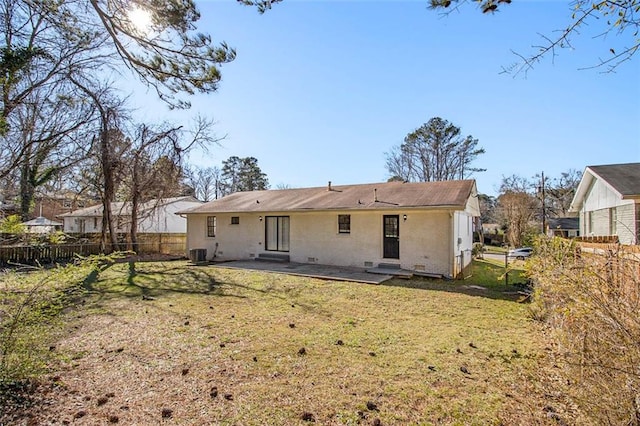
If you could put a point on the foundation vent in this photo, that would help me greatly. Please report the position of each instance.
(312, 259)
(368, 264)
(252, 255)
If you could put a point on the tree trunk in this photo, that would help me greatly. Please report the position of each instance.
(26, 192)
(109, 190)
(135, 201)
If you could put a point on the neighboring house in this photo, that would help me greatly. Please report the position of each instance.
(492, 234)
(608, 202)
(42, 225)
(490, 228)
(48, 205)
(52, 205)
(155, 216)
(424, 227)
(567, 227)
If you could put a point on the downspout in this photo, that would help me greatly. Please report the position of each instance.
(186, 248)
(452, 254)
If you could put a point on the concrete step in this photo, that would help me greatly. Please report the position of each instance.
(273, 257)
(388, 266)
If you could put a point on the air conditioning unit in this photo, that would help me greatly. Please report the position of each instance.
(198, 255)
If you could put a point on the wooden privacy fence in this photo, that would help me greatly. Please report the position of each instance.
(168, 244)
(610, 247)
(30, 254)
(605, 239)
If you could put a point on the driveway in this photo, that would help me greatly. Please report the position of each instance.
(327, 272)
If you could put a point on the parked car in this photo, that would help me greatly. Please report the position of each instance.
(520, 253)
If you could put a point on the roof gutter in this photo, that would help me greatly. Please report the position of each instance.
(333, 209)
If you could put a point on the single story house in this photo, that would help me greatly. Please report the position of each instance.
(490, 228)
(566, 227)
(424, 227)
(155, 216)
(608, 202)
(42, 225)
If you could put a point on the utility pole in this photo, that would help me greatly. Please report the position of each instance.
(544, 220)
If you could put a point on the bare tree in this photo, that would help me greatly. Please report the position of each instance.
(517, 208)
(153, 164)
(109, 144)
(48, 44)
(560, 192)
(205, 182)
(618, 18)
(34, 65)
(49, 132)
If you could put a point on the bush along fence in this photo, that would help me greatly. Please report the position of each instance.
(591, 300)
(166, 244)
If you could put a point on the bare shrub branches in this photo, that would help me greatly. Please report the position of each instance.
(591, 298)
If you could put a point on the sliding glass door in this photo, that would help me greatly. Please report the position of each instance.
(277, 233)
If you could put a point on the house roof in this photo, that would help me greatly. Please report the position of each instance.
(623, 179)
(124, 209)
(41, 221)
(564, 223)
(388, 195)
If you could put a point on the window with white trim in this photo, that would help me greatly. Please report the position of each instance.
(344, 223)
(613, 220)
(211, 226)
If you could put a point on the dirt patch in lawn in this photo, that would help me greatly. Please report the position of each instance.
(170, 343)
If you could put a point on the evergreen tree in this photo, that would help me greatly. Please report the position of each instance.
(242, 174)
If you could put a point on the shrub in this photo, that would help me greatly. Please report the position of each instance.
(30, 304)
(12, 225)
(591, 299)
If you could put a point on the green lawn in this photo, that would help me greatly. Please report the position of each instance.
(212, 345)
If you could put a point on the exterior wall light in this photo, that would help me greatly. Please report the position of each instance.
(260, 218)
(404, 217)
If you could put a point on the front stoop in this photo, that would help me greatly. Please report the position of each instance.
(392, 269)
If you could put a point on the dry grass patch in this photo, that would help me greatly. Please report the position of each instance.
(179, 344)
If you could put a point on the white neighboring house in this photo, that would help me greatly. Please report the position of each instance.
(155, 216)
(424, 227)
(42, 225)
(608, 202)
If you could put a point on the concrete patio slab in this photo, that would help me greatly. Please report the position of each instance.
(396, 272)
(327, 272)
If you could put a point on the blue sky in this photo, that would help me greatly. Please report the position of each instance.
(320, 90)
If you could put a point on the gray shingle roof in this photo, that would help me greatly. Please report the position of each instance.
(564, 223)
(41, 221)
(624, 178)
(388, 195)
(119, 208)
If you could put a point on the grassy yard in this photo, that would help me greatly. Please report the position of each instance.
(172, 343)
